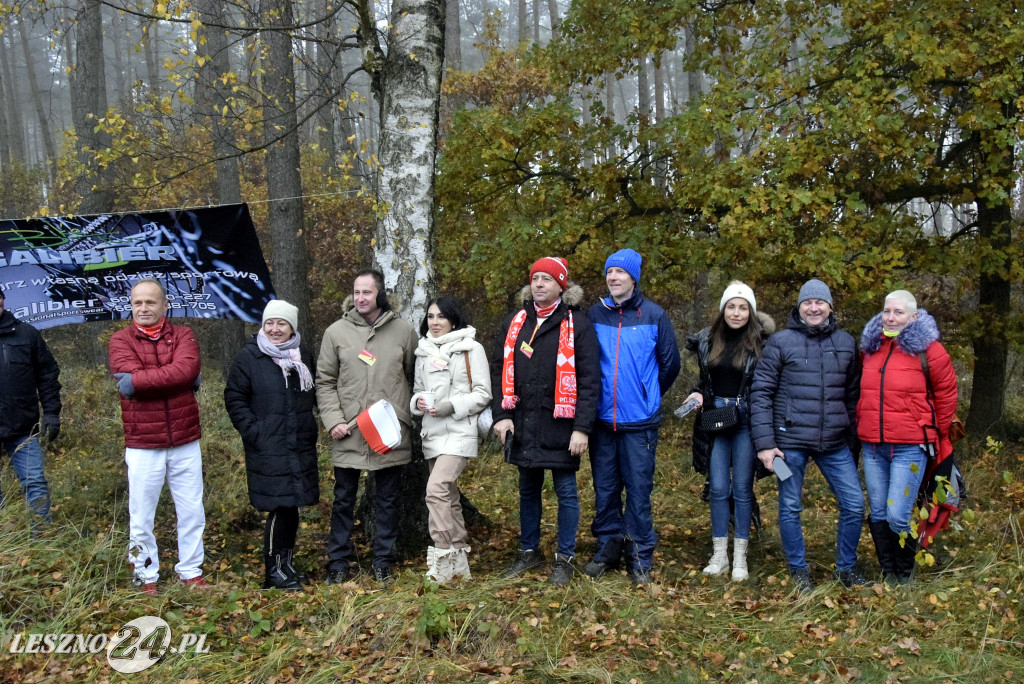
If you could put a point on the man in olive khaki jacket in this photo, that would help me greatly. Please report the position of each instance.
(366, 355)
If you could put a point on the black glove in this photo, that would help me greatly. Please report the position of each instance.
(124, 385)
(51, 427)
(199, 381)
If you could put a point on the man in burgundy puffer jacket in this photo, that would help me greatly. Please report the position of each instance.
(156, 365)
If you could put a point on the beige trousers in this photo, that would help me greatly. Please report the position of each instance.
(444, 508)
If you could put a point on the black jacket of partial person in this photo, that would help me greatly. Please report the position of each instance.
(28, 378)
(806, 387)
(540, 440)
(278, 429)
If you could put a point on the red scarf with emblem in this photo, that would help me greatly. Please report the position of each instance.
(565, 365)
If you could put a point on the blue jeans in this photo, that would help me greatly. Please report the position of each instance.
(732, 449)
(893, 474)
(531, 481)
(27, 459)
(841, 474)
(624, 460)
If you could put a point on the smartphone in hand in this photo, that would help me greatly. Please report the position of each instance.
(781, 469)
(686, 408)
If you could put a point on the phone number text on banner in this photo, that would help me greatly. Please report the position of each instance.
(55, 271)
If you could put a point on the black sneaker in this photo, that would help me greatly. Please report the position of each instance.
(802, 580)
(850, 578)
(640, 578)
(338, 575)
(608, 558)
(382, 573)
(562, 573)
(526, 560)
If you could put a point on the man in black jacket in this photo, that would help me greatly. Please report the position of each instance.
(546, 381)
(803, 405)
(28, 378)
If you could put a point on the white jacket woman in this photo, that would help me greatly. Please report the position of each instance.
(452, 387)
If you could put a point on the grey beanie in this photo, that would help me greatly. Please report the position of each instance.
(815, 289)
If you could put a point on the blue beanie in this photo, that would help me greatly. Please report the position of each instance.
(628, 260)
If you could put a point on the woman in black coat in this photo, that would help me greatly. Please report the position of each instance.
(270, 396)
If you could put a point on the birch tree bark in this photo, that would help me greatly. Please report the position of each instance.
(410, 100)
(408, 87)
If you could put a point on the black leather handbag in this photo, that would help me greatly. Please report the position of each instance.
(720, 419)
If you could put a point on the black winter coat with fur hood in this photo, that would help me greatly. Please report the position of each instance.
(540, 440)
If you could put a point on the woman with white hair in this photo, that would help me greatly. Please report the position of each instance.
(903, 420)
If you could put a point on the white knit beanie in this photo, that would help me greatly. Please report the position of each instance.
(741, 290)
(278, 308)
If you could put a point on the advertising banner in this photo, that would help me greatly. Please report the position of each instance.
(55, 271)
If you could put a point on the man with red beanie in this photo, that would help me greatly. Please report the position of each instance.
(549, 376)
(156, 365)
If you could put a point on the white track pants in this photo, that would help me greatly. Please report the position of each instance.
(182, 468)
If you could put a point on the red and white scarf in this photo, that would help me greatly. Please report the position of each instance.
(565, 365)
(153, 332)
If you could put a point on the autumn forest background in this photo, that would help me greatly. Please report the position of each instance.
(875, 145)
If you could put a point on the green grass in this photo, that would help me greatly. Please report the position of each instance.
(959, 622)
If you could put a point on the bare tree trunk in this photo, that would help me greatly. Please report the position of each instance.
(693, 78)
(5, 137)
(643, 88)
(452, 36)
(10, 93)
(555, 21)
(150, 48)
(89, 103)
(37, 101)
(212, 98)
(522, 34)
(536, 22)
(120, 86)
(659, 90)
(326, 61)
(991, 347)
(290, 259)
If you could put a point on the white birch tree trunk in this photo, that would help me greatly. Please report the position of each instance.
(410, 100)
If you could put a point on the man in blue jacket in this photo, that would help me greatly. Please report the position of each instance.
(803, 406)
(639, 362)
(28, 380)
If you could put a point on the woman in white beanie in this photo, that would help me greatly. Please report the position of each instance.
(453, 385)
(270, 396)
(727, 353)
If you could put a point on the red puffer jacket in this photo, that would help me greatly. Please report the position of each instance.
(163, 412)
(894, 406)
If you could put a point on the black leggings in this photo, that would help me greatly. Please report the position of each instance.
(279, 534)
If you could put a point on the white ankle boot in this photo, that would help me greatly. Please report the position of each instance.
(719, 563)
(440, 564)
(461, 563)
(739, 560)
